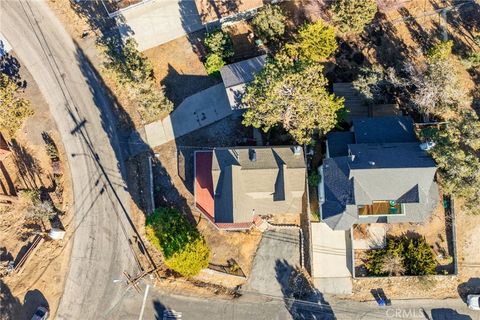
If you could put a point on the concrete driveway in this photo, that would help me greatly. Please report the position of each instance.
(277, 256)
(159, 21)
(332, 259)
(195, 112)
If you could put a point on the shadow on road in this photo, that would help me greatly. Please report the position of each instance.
(301, 299)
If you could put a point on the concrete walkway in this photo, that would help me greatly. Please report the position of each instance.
(195, 112)
(159, 21)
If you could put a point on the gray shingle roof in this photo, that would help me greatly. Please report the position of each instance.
(242, 72)
(379, 171)
(384, 129)
(338, 143)
(272, 184)
(389, 155)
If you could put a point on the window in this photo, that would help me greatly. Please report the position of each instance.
(380, 208)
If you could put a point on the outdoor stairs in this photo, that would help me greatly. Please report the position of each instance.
(353, 100)
(357, 107)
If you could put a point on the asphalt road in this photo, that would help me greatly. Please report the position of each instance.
(82, 113)
(158, 304)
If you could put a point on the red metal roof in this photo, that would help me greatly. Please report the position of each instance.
(204, 183)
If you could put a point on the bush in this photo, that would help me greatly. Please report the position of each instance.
(269, 23)
(351, 16)
(13, 109)
(313, 179)
(316, 42)
(440, 51)
(213, 64)
(133, 73)
(219, 43)
(183, 247)
(412, 257)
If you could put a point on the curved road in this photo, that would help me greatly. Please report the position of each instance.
(100, 251)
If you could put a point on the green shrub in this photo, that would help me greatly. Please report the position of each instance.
(213, 64)
(269, 23)
(402, 256)
(440, 51)
(183, 247)
(316, 42)
(219, 43)
(472, 60)
(313, 179)
(351, 16)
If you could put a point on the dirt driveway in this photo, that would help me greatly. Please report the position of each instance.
(277, 256)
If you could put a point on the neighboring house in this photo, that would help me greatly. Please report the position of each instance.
(377, 173)
(214, 12)
(237, 75)
(235, 185)
(115, 7)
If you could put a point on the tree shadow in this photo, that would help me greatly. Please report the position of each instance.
(12, 308)
(179, 86)
(10, 66)
(28, 166)
(382, 37)
(472, 286)
(423, 38)
(301, 300)
(9, 189)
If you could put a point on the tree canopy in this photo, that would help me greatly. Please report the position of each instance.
(315, 42)
(351, 16)
(133, 73)
(183, 247)
(13, 109)
(269, 23)
(294, 97)
(457, 154)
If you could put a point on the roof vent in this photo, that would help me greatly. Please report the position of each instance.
(252, 155)
(352, 157)
(372, 163)
(297, 150)
(427, 145)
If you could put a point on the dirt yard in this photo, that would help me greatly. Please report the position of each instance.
(29, 167)
(178, 67)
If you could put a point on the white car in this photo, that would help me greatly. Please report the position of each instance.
(473, 301)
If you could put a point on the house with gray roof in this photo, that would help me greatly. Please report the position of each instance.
(376, 173)
(233, 185)
(237, 75)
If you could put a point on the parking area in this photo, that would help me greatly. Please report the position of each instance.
(332, 259)
(159, 21)
(277, 256)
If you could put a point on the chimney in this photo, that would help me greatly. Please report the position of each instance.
(297, 150)
(252, 155)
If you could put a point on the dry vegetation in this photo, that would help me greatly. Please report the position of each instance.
(29, 167)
